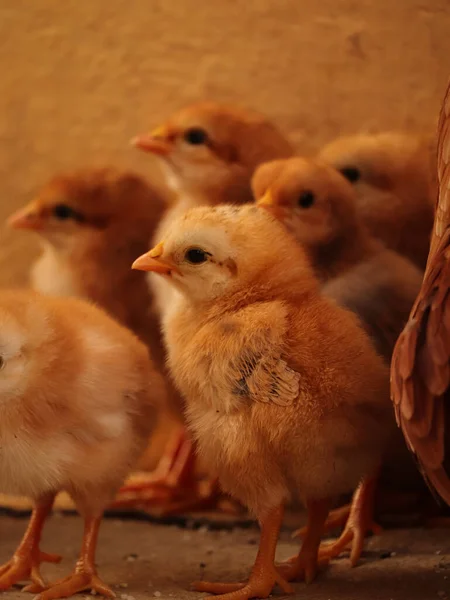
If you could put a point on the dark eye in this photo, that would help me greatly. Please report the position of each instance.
(351, 173)
(63, 212)
(196, 256)
(306, 199)
(195, 136)
(2, 362)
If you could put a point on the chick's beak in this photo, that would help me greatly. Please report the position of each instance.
(268, 202)
(29, 217)
(156, 142)
(152, 261)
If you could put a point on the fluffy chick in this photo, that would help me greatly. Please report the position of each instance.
(393, 176)
(92, 224)
(285, 393)
(208, 153)
(420, 373)
(77, 396)
(318, 206)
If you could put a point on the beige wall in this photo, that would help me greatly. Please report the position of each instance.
(80, 77)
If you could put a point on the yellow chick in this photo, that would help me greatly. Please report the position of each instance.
(318, 206)
(77, 397)
(92, 223)
(393, 176)
(286, 396)
(208, 153)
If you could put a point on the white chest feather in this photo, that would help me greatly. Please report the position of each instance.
(33, 467)
(51, 275)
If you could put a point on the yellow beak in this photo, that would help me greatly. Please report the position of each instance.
(152, 261)
(267, 199)
(156, 142)
(29, 217)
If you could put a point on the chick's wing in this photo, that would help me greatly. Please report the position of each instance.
(253, 366)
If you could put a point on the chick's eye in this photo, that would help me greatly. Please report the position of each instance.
(351, 173)
(196, 256)
(195, 136)
(306, 199)
(63, 212)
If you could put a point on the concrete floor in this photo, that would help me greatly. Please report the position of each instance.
(143, 560)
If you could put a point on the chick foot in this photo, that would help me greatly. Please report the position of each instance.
(259, 585)
(359, 523)
(264, 575)
(80, 581)
(25, 566)
(84, 576)
(174, 486)
(27, 559)
(305, 564)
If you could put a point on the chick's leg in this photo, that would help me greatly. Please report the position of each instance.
(85, 575)
(264, 575)
(304, 565)
(360, 521)
(26, 560)
(174, 485)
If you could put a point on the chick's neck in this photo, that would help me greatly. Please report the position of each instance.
(294, 284)
(350, 247)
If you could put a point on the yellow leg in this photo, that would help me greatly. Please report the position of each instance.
(85, 575)
(304, 565)
(26, 560)
(264, 575)
(359, 523)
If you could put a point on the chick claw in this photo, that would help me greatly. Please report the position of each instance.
(77, 582)
(25, 566)
(259, 585)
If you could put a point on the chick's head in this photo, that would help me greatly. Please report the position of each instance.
(89, 200)
(378, 160)
(212, 252)
(207, 146)
(313, 201)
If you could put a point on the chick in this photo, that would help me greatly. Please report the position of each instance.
(92, 224)
(393, 177)
(207, 152)
(318, 206)
(285, 393)
(420, 380)
(77, 397)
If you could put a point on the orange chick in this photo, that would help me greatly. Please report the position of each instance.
(393, 177)
(77, 398)
(318, 206)
(420, 372)
(92, 224)
(286, 396)
(208, 153)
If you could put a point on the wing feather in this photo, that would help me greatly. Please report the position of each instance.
(420, 371)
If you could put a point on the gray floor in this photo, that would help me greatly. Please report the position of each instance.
(143, 560)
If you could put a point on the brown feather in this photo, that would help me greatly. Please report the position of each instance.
(422, 394)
